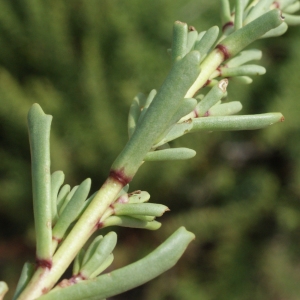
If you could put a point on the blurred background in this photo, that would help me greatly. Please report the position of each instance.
(83, 62)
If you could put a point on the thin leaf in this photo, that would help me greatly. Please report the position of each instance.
(131, 276)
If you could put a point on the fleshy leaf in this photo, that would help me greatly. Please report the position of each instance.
(180, 32)
(147, 209)
(247, 122)
(39, 125)
(225, 109)
(26, 274)
(170, 154)
(133, 275)
(131, 222)
(57, 179)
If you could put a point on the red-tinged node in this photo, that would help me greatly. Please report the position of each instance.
(192, 28)
(122, 199)
(76, 278)
(119, 176)
(44, 263)
(56, 239)
(208, 81)
(227, 25)
(224, 50)
(276, 4)
(196, 113)
(65, 283)
(99, 225)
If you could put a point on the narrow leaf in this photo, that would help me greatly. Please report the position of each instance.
(247, 122)
(39, 125)
(72, 210)
(184, 110)
(147, 104)
(57, 179)
(225, 11)
(292, 8)
(291, 20)
(67, 199)
(260, 8)
(108, 261)
(244, 57)
(131, 222)
(191, 39)
(238, 17)
(62, 195)
(207, 41)
(92, 249)
(278, 31)
(139, 197)
(213, 96)
(78, 262)
(26, 274)
(104, 249)
(180, 32)
(176, 131)
(225, 109)
(147, 209)
(134, 113)
(131, 276)
(170, 154)
(244, 70)
(242, 79)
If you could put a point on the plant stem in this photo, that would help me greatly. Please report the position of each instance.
(45, 278)
(208, 66)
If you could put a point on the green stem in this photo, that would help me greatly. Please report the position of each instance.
(208, 66)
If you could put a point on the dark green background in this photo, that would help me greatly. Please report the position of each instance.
(83, 61)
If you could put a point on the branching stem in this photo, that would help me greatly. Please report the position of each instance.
(44, 278)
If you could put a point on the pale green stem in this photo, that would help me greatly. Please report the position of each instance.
(208, 66)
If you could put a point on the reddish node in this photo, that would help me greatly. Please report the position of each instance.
(227, 25)
(56, 239)
(208, 81)
(196, 113)
(44, 263)
(224, 50)
(120, 176)
(99, 225)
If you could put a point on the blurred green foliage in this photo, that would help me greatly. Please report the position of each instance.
(83, 62)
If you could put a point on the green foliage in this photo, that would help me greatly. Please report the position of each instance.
(83, 61)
